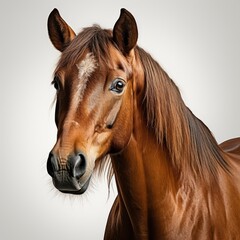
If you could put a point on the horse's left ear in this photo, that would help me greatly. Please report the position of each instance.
(125, 32)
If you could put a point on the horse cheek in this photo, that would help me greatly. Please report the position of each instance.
(123, 129)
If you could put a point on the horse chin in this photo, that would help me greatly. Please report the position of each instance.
(78, 192)
(78, 188)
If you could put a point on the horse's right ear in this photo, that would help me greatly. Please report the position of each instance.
(59, 32)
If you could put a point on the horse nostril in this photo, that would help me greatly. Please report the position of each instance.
(77, 165)
(52, 164)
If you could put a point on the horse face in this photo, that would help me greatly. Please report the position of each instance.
(94, 108)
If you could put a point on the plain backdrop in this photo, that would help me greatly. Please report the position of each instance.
(196, 42)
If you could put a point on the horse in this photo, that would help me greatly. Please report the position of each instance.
(118, 111)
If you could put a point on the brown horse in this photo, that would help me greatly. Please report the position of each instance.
(116, 105)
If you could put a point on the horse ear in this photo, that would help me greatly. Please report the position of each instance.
(59, 32)
(125, 32)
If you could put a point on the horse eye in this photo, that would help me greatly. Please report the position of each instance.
(117, 85)
(56, 83)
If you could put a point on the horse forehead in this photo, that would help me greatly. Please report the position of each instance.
(86, 66)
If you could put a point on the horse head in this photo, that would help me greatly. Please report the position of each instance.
(95, 85)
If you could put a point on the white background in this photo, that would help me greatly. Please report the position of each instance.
(196, 42)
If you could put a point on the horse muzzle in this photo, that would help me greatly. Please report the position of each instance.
(67, 179)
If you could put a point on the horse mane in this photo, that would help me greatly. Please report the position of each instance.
(189, 143)
(93, 38)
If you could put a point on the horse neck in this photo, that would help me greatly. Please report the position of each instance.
(145, 180)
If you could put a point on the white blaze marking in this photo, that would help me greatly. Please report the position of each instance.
(86, 67)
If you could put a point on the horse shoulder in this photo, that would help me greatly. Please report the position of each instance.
(231, 146)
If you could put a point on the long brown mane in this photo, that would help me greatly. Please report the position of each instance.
(189, 142)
